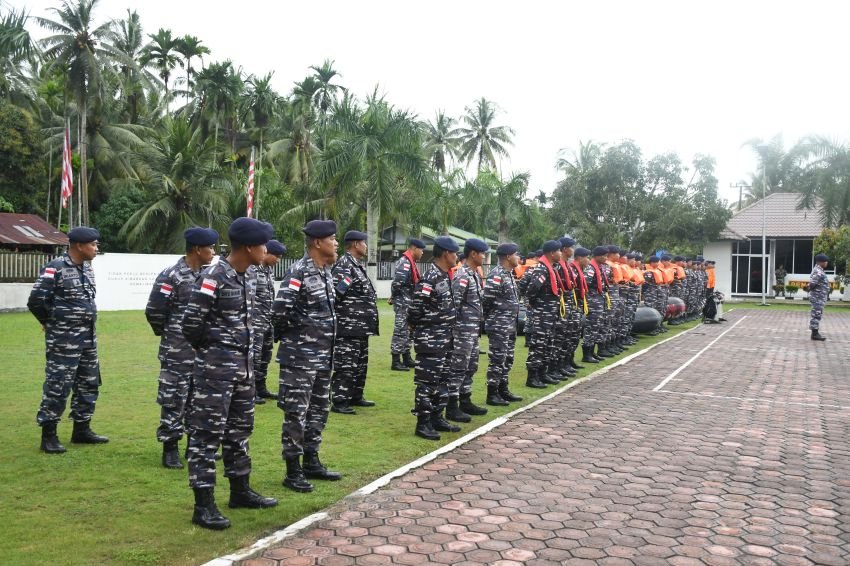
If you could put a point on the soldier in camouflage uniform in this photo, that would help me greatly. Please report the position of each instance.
(262, 318)
(305, 323)
(500, 305)
(631, 291)
(467, 288)
(818, 293)
(217, 324)
(652, 296)
(405, 278)
(677, 287)
(357, 320)
(432, 317)
(690, 289)
(545, 300)
(62, 300)
(611, 267)
(598, 304)
(164, 312)
(565, 328)
(576, 269)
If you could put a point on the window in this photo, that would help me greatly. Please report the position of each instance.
(803, 256)
(785, 255)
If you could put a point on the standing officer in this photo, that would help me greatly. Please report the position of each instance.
(166, 304)
(262, 317)
(304, 320)
(62, 300)
(576, 267)
(432, 317)
(677, 287)
(652, 297)
(217, 324)
(500, 303)
(598, 304)
(545, 300)
(467, 287)
(818, 293)
(405, 278)
(357, 319)
(566, 329)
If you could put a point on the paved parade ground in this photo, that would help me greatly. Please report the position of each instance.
(728, 444)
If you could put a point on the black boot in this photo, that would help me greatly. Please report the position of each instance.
(470, 408)
(206, 513)
(295, 479)
(171, 455)
(241, 495)
(441, 424)
(493, 396)
(408, 360)
(572, 360)
(506, 394)
(546, 378)
(259, 400)
(602, 353)
(817, 336)
(454, 413)
(49, 441)
(342, 408)
(533, 380)
(587, 355)
(83, 434)
(362, 403)
(567, 370)
(398, 365)
(424, 428)
(315, 470)
(263, 391)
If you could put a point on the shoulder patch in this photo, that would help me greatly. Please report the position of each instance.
(464, 282)
(541, 279)
(497, 279)
(295, 284)
(165, 289)
(49, 273)
(426, 289)
(208, 287)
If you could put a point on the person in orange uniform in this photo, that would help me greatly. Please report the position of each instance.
(630, 294)
(653, 296)
(667, 268)
(677, 286)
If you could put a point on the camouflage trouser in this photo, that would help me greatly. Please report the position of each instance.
(631, 297)
(817, 314)
(617, 313)
(221, 413)
(501, 357)
(351, 360)
(663, 300)
(431, 377)
(595, 324)
(540, 343)
(172, 394)
(263, 346)
(677, 290)
(304, 396)
(401, 332)
(72, 365)
(575, 321)
(463, 363)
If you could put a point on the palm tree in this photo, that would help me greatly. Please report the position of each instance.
(190, 47)
(505, 198)
(480, 138)
(261, 101)
(326, 91)
(16, 48)
(441, 141)
(81, 49)
(219, 87)
(163, 54)
(126, 38)
(827, 178)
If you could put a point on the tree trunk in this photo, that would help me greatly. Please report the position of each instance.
(84, 174)
(503, 229)
(373, 215)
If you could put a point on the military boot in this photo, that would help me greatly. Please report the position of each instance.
(315, 470)
(494, 398)
(587, 355)
(263, 390)
(567, 370)
(295, 479)
(171, 455)
(533, 380)
(83, 434)
(408, 360)
(259, 400)
(241, 495)
(505, 393)
(441, 424)
(398, 365)
(470, 408)
(602, 352)
(49, 441)
(571, 359)
(424, 428)
(818, 336)
(206, 513)
(454, 412)
(546, 378)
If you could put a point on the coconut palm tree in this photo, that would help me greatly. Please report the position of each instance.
(480, 138)
(16, 48)
(441, 141)
(326, 91)
(219, 87)
(190, 47)
(127, 37)
(162, 53)
(827, 178)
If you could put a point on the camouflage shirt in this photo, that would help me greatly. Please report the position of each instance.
(500, 301)
(818, 285)
(593, 281)
(166, 304)
(539, 290)
(356, 299)
(466, 288)
(264, 297)
(433, 313)
(64, 294)
(402, 285)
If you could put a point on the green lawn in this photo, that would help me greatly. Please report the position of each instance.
(116, 504)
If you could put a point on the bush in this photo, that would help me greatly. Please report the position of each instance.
(791, 289)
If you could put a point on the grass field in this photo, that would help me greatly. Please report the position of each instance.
(115, 504)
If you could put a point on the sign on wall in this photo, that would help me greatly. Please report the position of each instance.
(124, 281)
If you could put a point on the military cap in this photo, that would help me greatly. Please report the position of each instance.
(474, 244)
(551, 246)
(581, 252)
(537, 253)
(600, 250)
(679, 258)
(319, 228)
(699, 258)
(631, 255)
(821, 257)
(354, 236)
(417, 243)
(507, 249)
(196, 236)
(460, 256)
(445, 242)
(275, 248)
(567, 242)
(666, 257)
(613, 249)
(653, 259)
(83, 235)
(711, 262)
(249, 231)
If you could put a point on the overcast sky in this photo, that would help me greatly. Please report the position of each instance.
(691, 77)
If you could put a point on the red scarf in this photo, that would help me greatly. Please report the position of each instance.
(600, 275)
(553, 281)
(414, 271)
(568, 282)
(578, 276)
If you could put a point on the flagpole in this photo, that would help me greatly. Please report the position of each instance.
(80, 198)
(257, 181)
(49, 172)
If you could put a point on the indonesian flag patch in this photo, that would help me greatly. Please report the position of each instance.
(426, 289)
(406, 267)
(295, 284)
(208, 287)
(165, 289)
(497, 280)
(49, 273)
(464, 282)
(344, 284)
(541, 279)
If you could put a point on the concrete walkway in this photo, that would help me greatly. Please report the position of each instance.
(729, 444)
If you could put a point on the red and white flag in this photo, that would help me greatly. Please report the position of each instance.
(67, 173)
(251, 185)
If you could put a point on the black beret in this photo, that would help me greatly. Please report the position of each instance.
(567, 242)
(417, 243)
(83, 235)
(653, 259)
(537, 253)
(711, 262)
(613, 249)
(460, 256)
(319, 228)
(551, 246)
(354, 236)
(631, 255)
(474, 244)
(275, 248)
(249, 232)
(582, 252)
(507, 249)
(445, 242)
(623, 251)
(699, 258)
(679, 258)
(196, 236)
(819, 257)
(600, 250)
(666, 257)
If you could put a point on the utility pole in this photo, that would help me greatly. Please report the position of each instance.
(740, 185)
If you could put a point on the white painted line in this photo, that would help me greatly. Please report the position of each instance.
(695, 356)
(757, 400)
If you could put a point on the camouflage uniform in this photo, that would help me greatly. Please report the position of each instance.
(690, 285)
(613, 314)
(432, 316)
(166, 304)
(544, 315)
(217, 323)
(818, 293)
(630, 293)
(466, 289)
(305, 323)
(500, 304)
(652, 295)
(63, 301)
(401, 292)
(577, 314)
(262, 319)
(565, 327)
(357, 319)
(598, 305)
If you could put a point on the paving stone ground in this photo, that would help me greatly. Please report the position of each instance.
(742, 457)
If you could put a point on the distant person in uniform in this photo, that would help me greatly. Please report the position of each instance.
(405, 278)
(781, 274)
(818, 293)
(263, 332)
